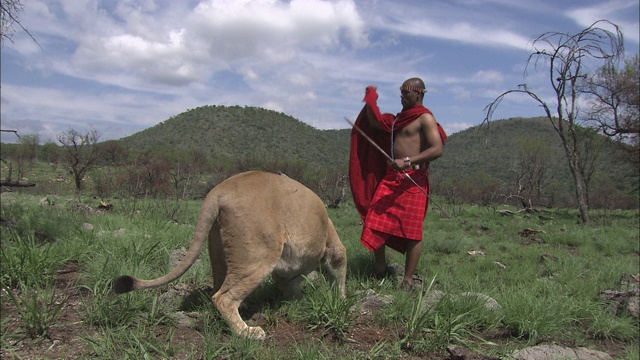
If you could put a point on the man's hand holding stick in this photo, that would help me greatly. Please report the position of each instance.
(370, 140)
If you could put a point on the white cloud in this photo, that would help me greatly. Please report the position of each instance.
(138, 41)
(272, 29)
(129, 64)
(619, 12)
(489, 76)
(449, 22)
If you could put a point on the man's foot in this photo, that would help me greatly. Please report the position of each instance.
(386, 273)
(414, 284)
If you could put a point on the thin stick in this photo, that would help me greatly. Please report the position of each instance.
(369, 139)
(390, 159)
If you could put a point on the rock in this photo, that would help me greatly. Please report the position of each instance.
(87, 226)
(461, 353)
(177, 256)
(105, 206)
(434, 297)
(490, 303)
(554, 352)
(8, 222)
(626, 298)
(119, 232)
(185, 319)
(176, 294)
(373, 301)
(313, 276)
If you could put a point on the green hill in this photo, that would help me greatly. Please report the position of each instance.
(494, 148)
(240, 132)
(481, 154)
(477, 159)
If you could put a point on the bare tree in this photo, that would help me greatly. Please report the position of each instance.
(532, 174)
(24, 156)
(9, 16)
(568, 57)
(26, 153)
(614, 107)
(79, 153)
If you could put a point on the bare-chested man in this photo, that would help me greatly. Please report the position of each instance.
(392, 196)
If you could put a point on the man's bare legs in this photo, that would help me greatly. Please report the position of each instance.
(413, 253)
(381, 260)
(414, 250)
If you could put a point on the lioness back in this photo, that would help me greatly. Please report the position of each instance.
(293, 227)
(275, 197)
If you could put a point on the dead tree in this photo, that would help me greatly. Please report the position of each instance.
(567, 57)
(8, 181)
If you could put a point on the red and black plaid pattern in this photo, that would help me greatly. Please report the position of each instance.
(398, 207)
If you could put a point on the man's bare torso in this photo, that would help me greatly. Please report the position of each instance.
(410, 140)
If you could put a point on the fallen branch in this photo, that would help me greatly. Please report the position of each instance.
(11, 183)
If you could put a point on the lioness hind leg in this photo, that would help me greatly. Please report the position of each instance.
(228, 308)
(228, 299)
(335, 260)
(217, 257)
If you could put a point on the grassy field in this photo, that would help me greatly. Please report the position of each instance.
(546, 272)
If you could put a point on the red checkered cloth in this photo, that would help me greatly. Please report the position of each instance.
(397, 210)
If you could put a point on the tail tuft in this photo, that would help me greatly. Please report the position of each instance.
(123, 284)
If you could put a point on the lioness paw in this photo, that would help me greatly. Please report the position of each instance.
(255, 333)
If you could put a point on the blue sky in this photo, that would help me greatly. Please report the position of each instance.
(119, 67)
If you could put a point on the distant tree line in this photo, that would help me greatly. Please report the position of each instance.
(531, 179)
(166, 172)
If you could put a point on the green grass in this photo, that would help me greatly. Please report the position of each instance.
(38, 307)
(323, 308)
(547, 284)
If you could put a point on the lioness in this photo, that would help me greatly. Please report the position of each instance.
(258, 224)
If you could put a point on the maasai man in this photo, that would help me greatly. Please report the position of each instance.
(392, 206)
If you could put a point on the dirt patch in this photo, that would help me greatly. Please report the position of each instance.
(67, 339)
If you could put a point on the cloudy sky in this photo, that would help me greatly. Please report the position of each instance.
(119, 67)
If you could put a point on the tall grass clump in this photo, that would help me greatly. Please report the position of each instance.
(535, 310)
(30, 252)
(432, 320)
(24, 261)
(106, 309)
(418, 318)
(322, 308)
(125, 342)
(38, 307)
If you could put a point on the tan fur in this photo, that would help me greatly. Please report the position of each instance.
(258, 224)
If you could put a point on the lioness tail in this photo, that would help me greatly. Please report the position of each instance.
(208, 215)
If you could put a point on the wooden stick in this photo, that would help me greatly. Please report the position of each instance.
(369, 139)
(390, 159)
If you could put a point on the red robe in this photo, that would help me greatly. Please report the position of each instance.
(368, 167)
